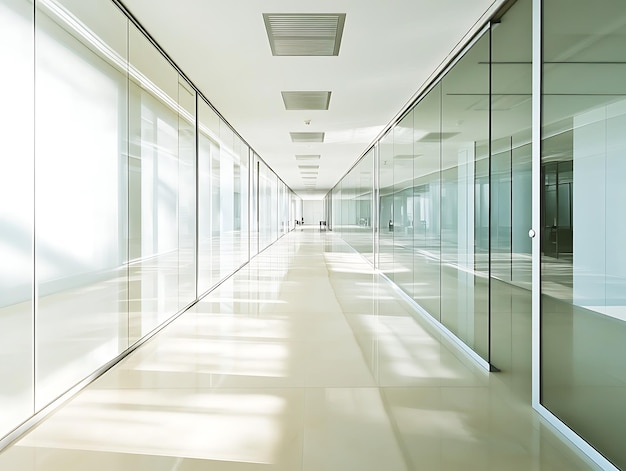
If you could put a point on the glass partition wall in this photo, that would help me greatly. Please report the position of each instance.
(82, 317)
(511, 201)
(433, 205)
(455, 204)
(125, 196)
(427, 191)
(16, 214)
(464, 139)
(583, 269)
(357, 210)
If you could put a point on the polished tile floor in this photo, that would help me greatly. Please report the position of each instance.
(303, 360)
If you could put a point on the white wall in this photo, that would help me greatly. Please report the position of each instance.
(313, 211)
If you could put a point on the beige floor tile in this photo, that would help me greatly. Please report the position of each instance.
(253, 426)
(337, 364)
(471, 428)
(348, 429)
(306, 359)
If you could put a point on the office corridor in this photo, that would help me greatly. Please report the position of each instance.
(303, 360)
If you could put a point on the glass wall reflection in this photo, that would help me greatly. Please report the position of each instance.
(128, 231)
(116, 202)
(465, 198)
(462, 185)
(511, 202)
(208, 158)
(385, 206)
(16, 214)
(427, 203)
(454, 204)
(187, 282)
(268, 206)
(358, 206)
(154, 135)
(433, 231)
(254, 204)
(583, 378)
(402, 214)
(80, 207)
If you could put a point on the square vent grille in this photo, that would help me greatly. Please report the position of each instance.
(307, 157)
(304, 34)
(306, 100)
(307, 136)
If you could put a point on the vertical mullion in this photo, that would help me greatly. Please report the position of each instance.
(536, 208)
(34, 287)
(489, 203)
(197, 197)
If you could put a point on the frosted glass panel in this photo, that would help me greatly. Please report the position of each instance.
(16, 214)
(80, 144)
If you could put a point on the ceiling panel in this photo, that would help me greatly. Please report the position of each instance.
(386, 53)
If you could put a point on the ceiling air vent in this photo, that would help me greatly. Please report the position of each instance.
(307, 157)
(306, 100)
(304, 34)
(307, 136)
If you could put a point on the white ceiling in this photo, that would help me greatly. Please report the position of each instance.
(388, 51)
